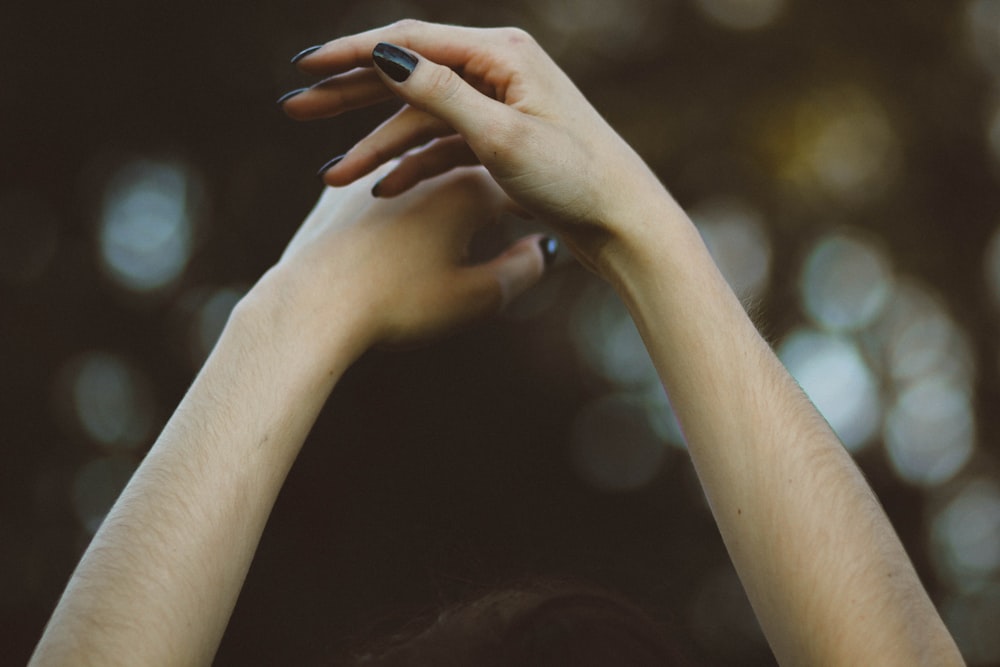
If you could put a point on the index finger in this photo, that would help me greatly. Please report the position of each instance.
(453, 46)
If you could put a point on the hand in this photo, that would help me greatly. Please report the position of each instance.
(489, 96)
(394, 270)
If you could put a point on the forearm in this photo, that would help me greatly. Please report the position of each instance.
(159, 581)
(824, 570)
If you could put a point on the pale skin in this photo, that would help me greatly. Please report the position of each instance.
(824, 570)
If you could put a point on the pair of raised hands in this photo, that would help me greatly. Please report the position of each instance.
(499, 127)
(490, 124)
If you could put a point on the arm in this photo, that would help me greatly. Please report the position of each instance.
(159, 580)
(825, 572)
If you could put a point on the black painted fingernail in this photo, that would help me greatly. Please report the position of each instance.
(550, 247)
(377, 187)
(330, 165)
(289, 95)
(305, 52)
(394, 61)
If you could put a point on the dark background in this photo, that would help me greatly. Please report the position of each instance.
(438, 472)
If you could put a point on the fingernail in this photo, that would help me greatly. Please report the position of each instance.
(305, 52)
(289, 95)
(394, 61)
(377, 187)
(330, 165)
(550, 247)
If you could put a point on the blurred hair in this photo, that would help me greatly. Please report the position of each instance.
(531, 625)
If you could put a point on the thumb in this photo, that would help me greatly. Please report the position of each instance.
(437, 90)
(499, 281)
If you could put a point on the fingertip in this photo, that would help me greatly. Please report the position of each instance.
(395, 62)
(305, 53)
(520, 267)
(549, 246)
(436, 89)
(393, 182)
(289, 95)
(322, 171)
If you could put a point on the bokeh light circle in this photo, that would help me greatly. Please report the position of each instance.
(965, 535)
(838, 145)
(832, 372)
(96, 486)
(606, 338)
(735, 236)
(741, 14)
(982, 20)
(146, 224)
(918, 341)
(845, 283)
(112, 400)
(929, 432)
(613, 446)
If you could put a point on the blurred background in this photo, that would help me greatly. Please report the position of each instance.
(842, 160)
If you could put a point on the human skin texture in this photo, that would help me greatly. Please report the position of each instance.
(823, 567)
(160, 578)
(824, 570)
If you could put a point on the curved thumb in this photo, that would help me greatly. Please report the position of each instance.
(436, 89)
(499, 281)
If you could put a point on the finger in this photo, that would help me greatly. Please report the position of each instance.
(440, 91)
(450, 45)
(407, 129)
(438, 157)
(517, 210)
(491, 286)
(356, 89)
(466, 198)
(337, 203)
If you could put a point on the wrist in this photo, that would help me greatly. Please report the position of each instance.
(319, 330)
(649, 232)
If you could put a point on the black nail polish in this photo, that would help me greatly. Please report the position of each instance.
(305, 52)
(330, 165)
(550, 247)
(289, 95)
(394, 61)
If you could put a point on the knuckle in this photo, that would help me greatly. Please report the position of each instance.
(442, 84)
(516, 36)
(519, 48)
(407, 25)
